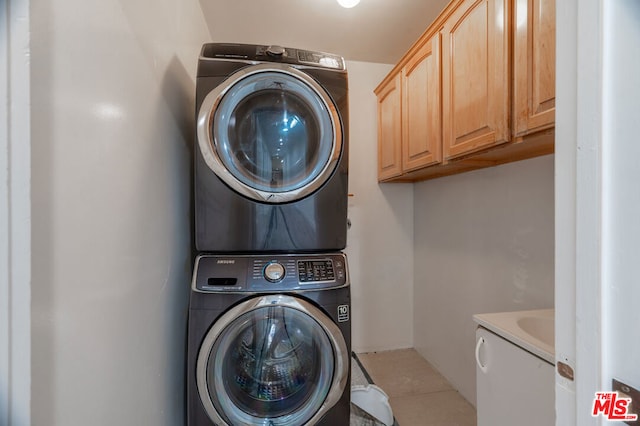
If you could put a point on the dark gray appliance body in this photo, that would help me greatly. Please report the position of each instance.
(228, 221)
(239, 306)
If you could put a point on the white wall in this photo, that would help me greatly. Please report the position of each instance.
(112, 119)
(598, 201)
(621, 198)
(565, 187)
(484, 242)
(380, 241)
(15, 215)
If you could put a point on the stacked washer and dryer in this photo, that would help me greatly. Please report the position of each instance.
(269, 332)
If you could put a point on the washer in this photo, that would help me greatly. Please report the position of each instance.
(271, 163)
(269, 341)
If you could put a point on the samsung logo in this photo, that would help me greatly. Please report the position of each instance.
(225, 262)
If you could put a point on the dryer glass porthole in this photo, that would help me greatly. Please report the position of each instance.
(274, 363)
(273, 132)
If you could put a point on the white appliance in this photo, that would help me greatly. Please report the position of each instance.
(514, 387)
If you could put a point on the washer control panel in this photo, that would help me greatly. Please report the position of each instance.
(263, 273)
(315, 270)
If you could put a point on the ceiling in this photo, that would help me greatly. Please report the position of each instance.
(373, 31)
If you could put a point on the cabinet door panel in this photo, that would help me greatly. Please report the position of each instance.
(421, 131)
(534, 65)
(475, 77)
(389, 130)
(515, 387)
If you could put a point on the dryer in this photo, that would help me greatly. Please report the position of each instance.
(271, 160)
(269, 340)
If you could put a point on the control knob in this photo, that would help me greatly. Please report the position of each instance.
(275, 50)
(274, 272)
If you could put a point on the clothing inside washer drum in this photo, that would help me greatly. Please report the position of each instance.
(273, 364)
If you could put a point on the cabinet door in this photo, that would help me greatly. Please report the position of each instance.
(475, 55)
(421, 111)
(389, 130)
(513, 386)
(534, 65)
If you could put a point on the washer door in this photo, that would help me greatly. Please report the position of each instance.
(271, 133)
(274, 360)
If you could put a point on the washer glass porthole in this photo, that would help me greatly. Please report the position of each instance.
(273, 132)
(272, 363)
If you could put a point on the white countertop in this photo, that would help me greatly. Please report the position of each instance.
(531, 330)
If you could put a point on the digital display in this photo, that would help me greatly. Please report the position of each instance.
(315, 270)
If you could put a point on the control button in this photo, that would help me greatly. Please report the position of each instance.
(329, 62)
(274, 272)
(275, 50)
(316, 270)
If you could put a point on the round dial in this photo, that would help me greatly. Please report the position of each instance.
(274, 272)
(275, 50)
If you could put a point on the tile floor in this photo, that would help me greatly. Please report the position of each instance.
(418, 394)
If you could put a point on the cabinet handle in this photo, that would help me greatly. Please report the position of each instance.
(483, 368)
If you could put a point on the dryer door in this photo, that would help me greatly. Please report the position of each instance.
(271, 133)
(274, 360)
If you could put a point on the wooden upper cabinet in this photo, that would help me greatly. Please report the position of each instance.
(389, 129)
(421, 110)
(477, 89)
(475, 98)
(534, 65)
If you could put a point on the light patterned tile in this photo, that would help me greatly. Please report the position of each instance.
(403, 372)
(433, 409)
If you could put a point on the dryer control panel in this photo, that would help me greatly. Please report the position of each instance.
(264, 273)
(272, 53)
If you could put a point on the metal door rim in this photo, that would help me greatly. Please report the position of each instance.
(338, 344)
(206, 139)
